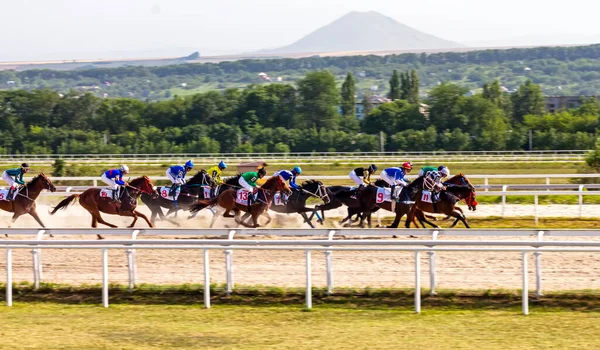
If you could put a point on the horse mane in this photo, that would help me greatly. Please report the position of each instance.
(35, 178)
(139, 179)
(381, 183)
(462, 175)
(232, 180)
(310, 182)
(271, 180)
(197, 178)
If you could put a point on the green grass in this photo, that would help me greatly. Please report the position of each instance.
(356, 319)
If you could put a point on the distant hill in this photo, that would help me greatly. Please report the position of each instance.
(365, 31)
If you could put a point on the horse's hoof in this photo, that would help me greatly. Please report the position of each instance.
(394, 236)
(51, 236)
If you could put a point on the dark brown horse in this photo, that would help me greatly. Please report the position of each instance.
(24, 203)
(91, 200)
(446, 204)
(227, 200)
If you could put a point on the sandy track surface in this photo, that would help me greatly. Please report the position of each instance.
(286, 268)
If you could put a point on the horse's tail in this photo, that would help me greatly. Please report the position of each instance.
(202, 204)
(64, 203)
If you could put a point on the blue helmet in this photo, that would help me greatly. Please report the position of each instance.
(189, 164)
(222, 165)
(297, 170)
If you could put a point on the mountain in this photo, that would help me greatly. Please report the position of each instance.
(365, 31)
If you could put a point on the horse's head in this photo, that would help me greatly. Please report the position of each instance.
(471, 201)
(277, 184)
(144, 185)
(202, 178)
(317, 189)
(460, 180)
(44, 182)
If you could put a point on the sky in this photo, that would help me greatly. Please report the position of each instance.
(72, 29)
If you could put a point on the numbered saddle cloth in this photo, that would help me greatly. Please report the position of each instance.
(426, 196)
(4, 194)
(106, 193)
(207, 192)
(280, 198)
(164, 193)
(241, 197)
(383, 195)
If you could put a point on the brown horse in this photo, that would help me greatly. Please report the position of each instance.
(446, 204)
(24, 203)
(91, 200)
(226, 199)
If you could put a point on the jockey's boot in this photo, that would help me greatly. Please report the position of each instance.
(393, 193)
(11, 194)
(116, 196)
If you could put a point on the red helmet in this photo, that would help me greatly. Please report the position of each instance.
(407, 166)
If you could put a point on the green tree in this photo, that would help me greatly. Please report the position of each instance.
(58, 168)
(413, 94)
(348, 96)
(319, 98)
(394, 93)
(529, 99)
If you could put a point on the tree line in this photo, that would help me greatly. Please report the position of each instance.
(558, 70)
(311, 115)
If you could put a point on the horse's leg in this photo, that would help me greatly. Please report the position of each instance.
(12, 221)
(34, 213)
(143, 216)
(460, 217)
(307, 219)
(94, 222)
(423, 219)
(102, 221)
(265, 214)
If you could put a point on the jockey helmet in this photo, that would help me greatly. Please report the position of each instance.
(25, 166)
(407, 166)
(189, 164)
(222, 165)
(124, 168)
(372, 168)
(262, 172)
(297, 170)
(445, 172)
(441, 167)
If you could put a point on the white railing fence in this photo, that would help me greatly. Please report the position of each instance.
(327, 245)
(307, 157)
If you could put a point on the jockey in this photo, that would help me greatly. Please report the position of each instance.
(357, 173)
(290, 176)
(215, 172)
(248, 181)
(396, 178)
(114, 178)
(176, 174)
(433, 180)
(17, 173)
(424, 170)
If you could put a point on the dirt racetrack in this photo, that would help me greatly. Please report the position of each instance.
(461, 270)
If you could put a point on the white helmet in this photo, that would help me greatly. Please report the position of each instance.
(445, 171)
(124, 168)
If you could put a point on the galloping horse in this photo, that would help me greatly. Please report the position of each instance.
(296, 203)
(458, 188)
(24, 203)
(94, 203)
(227, 200)
(191, 192)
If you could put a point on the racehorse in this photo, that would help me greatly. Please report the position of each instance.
(367, 199)
(227, 200)
(24, 203)
(343, 195)
(94, 203)
(191, 192)
(457, 188)
(296, 203)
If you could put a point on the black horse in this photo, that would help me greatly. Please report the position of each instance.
(296, 203)
(191, 191)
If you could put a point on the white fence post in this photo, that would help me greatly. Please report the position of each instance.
(525, 293)
(308, 281)
(229, 265)
(434, 236)
(417, 281)
(538, 267)
(104, 277)
(328, 265)
(8, 277)
(37, 262)
(132, 268)
(503, 199)
(486, 182)
(206, 280)
(535, 209)
(581, 201)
